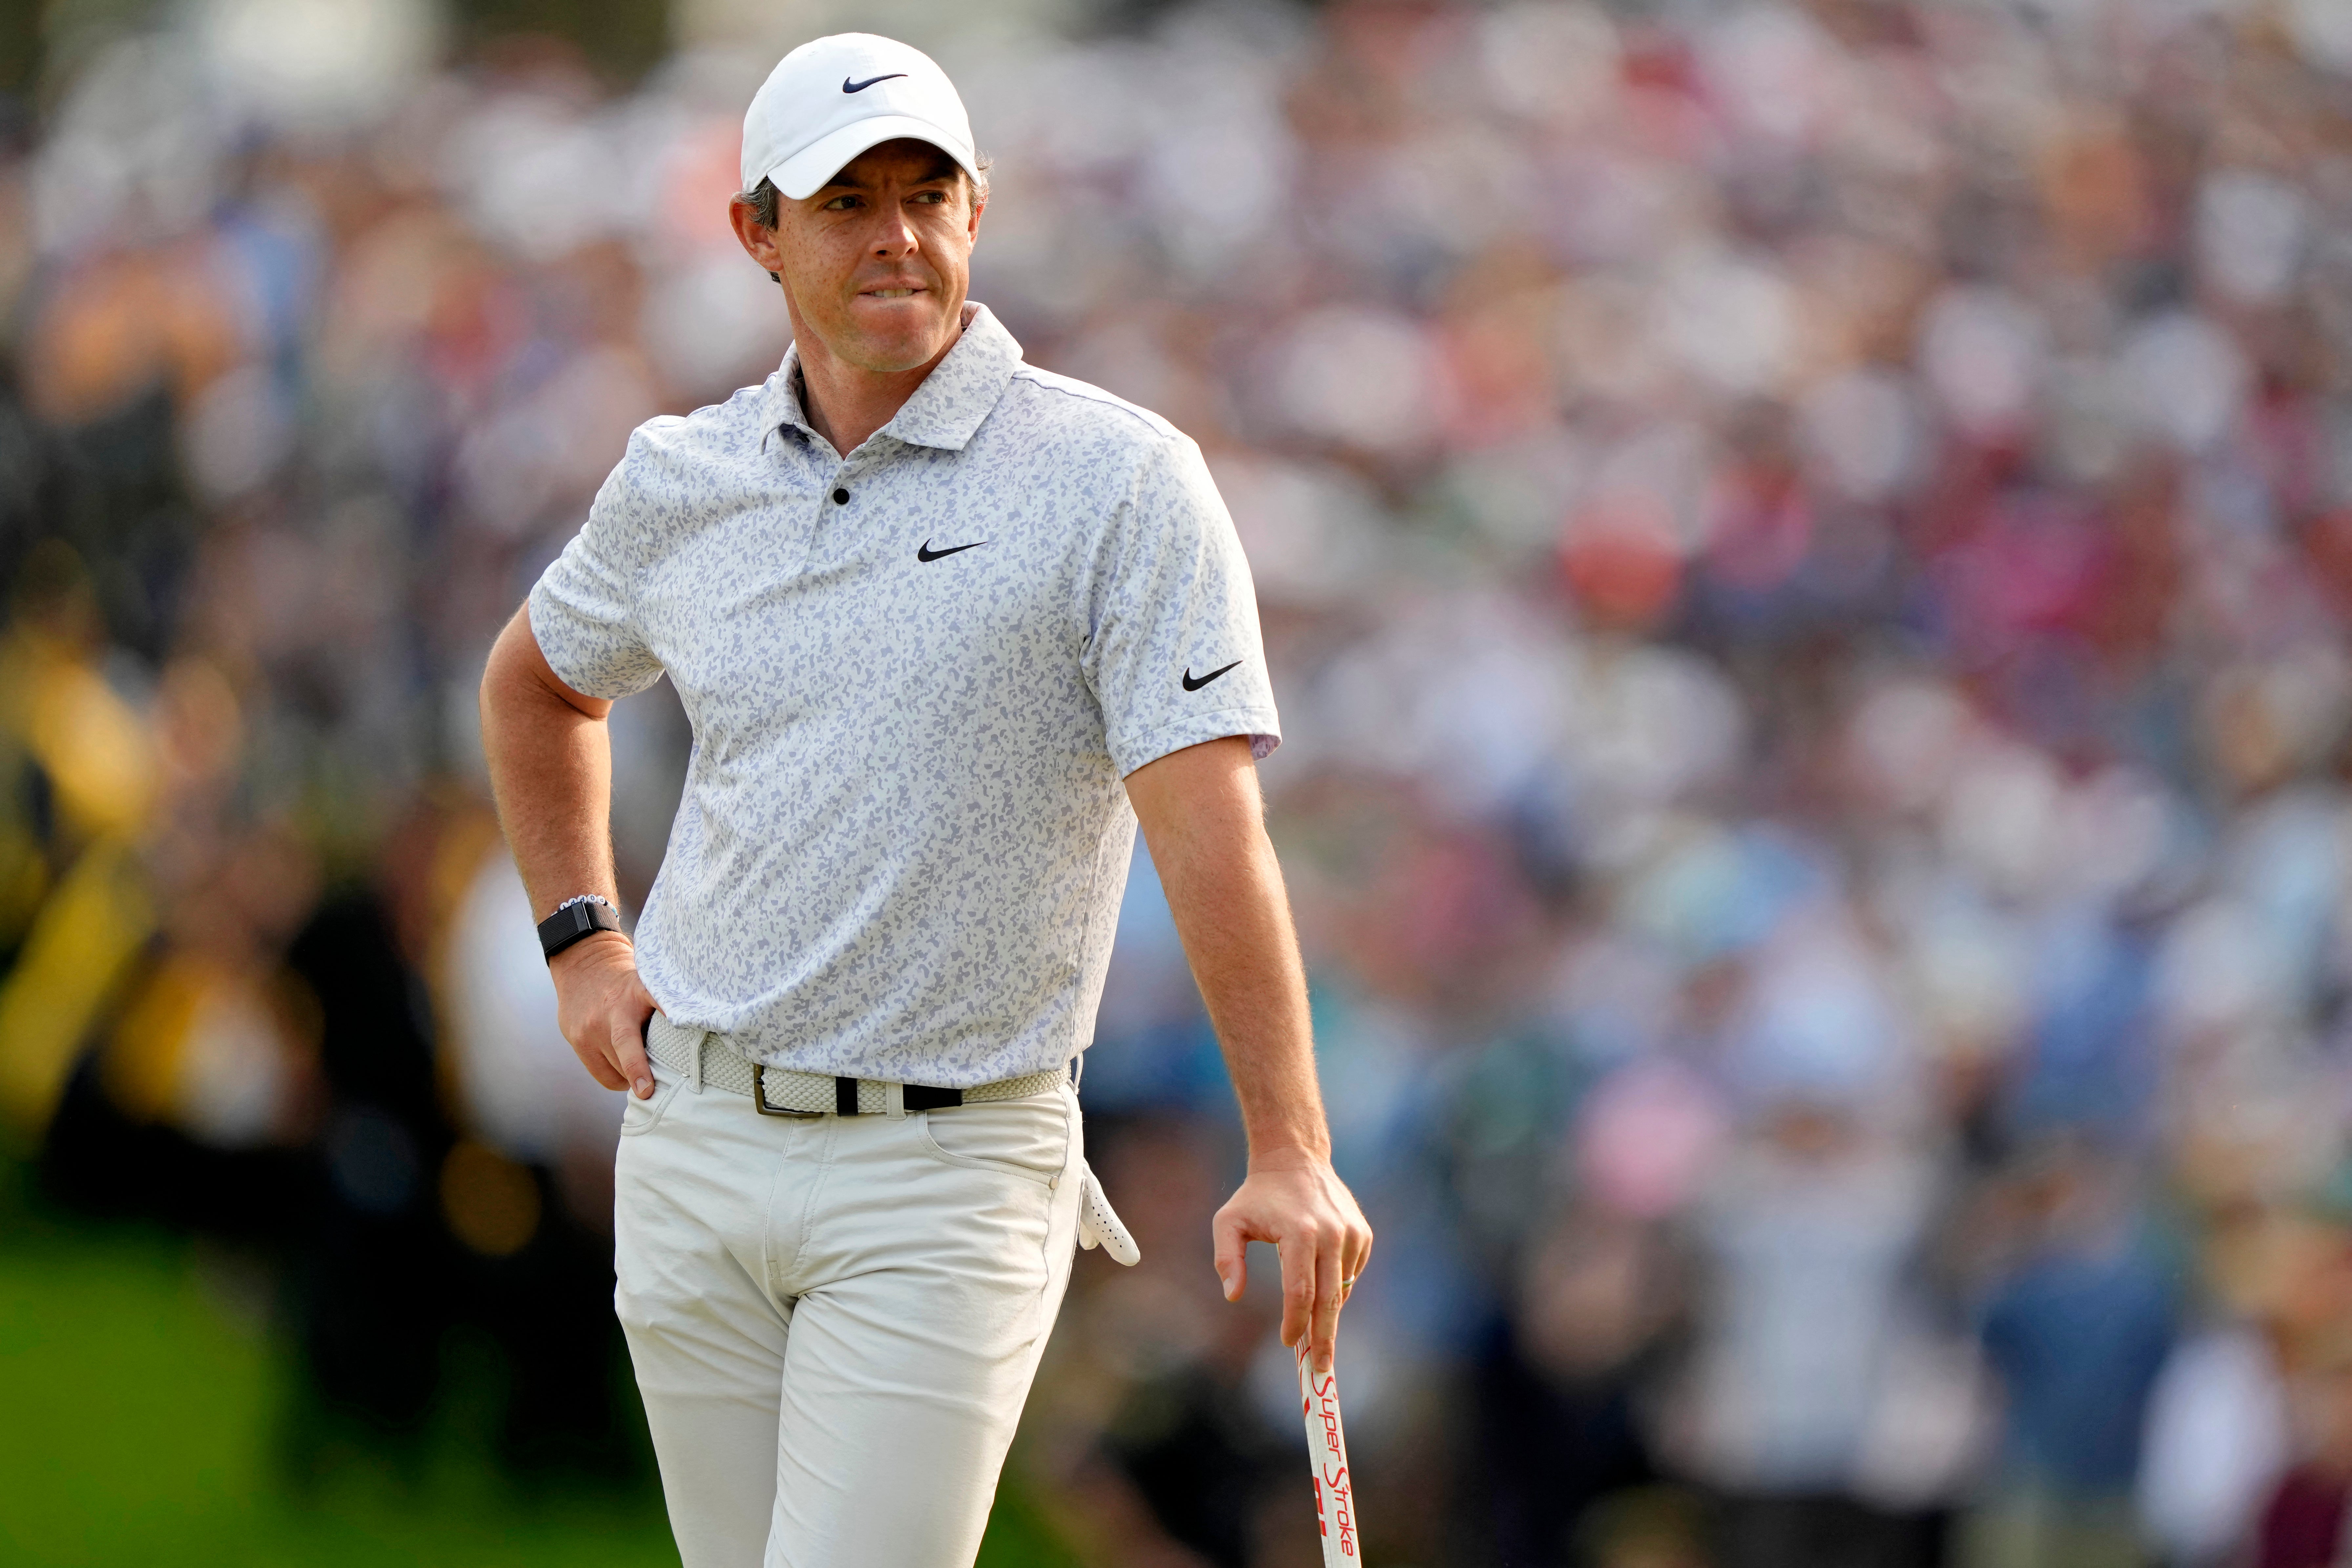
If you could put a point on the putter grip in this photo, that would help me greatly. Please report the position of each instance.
(1326, 1456)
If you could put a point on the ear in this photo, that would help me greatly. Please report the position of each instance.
(758, 243)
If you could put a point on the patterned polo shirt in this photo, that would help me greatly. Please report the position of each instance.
(917, 674)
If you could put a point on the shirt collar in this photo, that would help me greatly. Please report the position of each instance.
(949, 406)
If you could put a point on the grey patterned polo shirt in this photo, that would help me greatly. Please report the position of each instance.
(916, 676)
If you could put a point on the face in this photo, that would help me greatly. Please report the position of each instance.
(876, 262)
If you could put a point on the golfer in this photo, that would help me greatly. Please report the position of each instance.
(947, 626)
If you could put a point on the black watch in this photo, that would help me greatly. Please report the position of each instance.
(573, 919)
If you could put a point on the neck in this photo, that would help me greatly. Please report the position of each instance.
(846, 402)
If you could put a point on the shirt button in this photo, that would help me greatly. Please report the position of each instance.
(841, 497)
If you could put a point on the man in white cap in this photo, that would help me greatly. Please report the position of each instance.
(940, 619)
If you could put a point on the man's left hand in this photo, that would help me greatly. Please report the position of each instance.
(1300, 1205)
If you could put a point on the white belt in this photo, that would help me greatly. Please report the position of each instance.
(784, 1091)
(781, 1092)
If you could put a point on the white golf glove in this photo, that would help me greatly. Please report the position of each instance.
(1098, 1223)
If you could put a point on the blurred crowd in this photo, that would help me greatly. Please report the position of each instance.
(1806, 551)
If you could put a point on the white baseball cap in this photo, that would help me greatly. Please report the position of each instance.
(834, 97)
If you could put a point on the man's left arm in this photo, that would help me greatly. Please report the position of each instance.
(1205, 820)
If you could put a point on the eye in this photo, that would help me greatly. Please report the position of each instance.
(840, 205)
(932, 197)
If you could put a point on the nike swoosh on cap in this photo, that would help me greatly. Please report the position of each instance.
(1193, 686)
(848, 85)
(924, 553)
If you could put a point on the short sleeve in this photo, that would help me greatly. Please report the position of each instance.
(1174, 653)
(584, 609)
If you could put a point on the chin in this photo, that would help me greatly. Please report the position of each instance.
(902, 344)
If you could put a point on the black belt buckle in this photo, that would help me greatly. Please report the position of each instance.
(759, 1099)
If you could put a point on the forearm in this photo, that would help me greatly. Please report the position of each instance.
(1226, 890)
(1205, 821)
(550, 765)
(1244, 956)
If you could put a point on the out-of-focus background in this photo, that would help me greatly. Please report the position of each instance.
(1805, 550)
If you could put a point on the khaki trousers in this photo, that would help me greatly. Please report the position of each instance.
(834, 1320)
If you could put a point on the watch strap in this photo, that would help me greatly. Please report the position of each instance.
(581, 918)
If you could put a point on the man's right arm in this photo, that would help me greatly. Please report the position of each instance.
(551, 762)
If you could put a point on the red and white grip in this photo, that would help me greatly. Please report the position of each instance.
(1327, 1454)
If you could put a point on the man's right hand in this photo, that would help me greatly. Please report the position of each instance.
(602, 1007)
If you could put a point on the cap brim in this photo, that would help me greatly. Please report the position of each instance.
(804, 173)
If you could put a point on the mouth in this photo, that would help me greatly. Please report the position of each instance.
(896, 292)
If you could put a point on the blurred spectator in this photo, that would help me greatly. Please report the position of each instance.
(1802, 1367)
(2078, 1325)
(1559, 1390)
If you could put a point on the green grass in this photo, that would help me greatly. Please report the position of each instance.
(138, 1415)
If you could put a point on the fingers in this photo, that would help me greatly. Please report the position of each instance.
(1328, 1293)
(1321, 1238)
(1298, 1255)
(628, 1050)
(602, 1007)
(588, 1045)
(1355, 1257)
(599, 1069)
(1230, 1252)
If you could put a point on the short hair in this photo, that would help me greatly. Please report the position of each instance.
(765, 200)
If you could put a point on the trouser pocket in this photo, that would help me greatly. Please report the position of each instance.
(1028, 1138)
(642, 1115)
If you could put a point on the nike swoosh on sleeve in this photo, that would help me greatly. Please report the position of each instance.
(1193, 686)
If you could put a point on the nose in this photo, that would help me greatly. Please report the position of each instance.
(893, 235)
